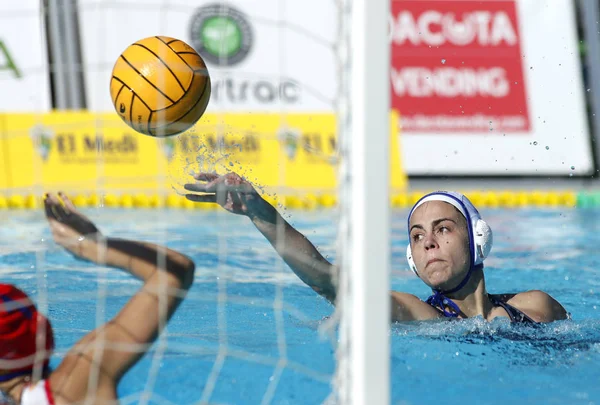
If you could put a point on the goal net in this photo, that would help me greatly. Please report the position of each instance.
(299, 107)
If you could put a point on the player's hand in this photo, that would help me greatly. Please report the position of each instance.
(70, 229)
(230, 191)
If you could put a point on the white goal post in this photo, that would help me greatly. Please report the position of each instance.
(363, 371)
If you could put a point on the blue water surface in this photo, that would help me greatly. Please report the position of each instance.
(250, 332)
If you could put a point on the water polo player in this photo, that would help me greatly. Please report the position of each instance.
(106, 353)
(449, 242)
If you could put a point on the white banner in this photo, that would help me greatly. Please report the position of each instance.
(275, 55)
(483, 88)
(489, 88)
(24, 79)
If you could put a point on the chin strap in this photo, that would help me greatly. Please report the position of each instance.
(10, 376)
(443, 303)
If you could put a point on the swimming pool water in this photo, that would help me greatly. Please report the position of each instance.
(249, 331)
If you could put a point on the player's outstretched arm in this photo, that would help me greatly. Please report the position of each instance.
(93, 367)
(238, 196)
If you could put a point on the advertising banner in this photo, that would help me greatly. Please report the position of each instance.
(489, 87)
(262, 55)
(484, 88)
(85, 152)
(458, 66)
(24, 79)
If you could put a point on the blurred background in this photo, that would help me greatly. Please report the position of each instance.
(492, 96)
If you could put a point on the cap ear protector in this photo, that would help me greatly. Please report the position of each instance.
(480, 233)
(20, 324)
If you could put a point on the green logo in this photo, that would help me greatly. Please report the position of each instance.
(221, 34)
(42, 140)
(289, 139)
(6, 60)
(168, 148)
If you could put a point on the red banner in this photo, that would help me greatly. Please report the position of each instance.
(457, 66)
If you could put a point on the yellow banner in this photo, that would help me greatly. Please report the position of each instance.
(86, 152)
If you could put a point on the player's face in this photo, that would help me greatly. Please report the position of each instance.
(440, 244)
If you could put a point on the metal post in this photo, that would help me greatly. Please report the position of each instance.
(590, 16)
(73, 57)
(57, 57)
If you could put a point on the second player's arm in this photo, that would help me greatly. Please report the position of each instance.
(296, 250)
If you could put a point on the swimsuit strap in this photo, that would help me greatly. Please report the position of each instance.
(440, 302)
(515, 315)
